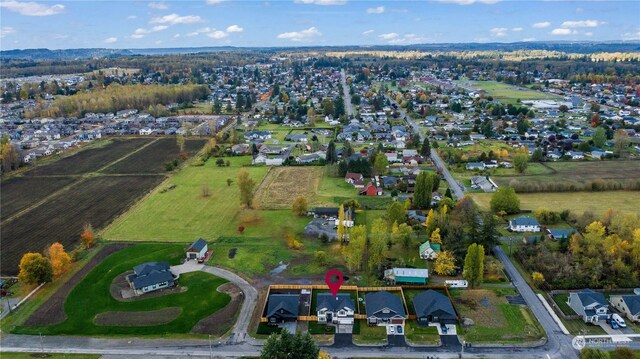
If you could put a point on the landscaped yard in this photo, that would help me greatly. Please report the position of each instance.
(495, 320)
(92, 297)
(577, 202)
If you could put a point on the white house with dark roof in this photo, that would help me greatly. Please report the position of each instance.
(335, 310)
(589, 304)
(524, 224)
(628, 304)
(151, 276)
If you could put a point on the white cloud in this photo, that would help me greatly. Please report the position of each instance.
(582, 23)
(176, 36)
(368, 32)
(32, 8)
(629, 36)
(321, 2)
(158, 5)
(588, 33)
(131, 17)
(499, 31)
(516, 29)
(389, 36)
(217, 34)
(375, 10)
(408, 39)
(579, 9)
(214, 2)
(300, 36)
(191, 34)
(175, 19)
(6, 30)
(563, 32)
(234, 28)
(527, 39)
(470, 2)
(541, 25)
(110, 40)
(140, 32)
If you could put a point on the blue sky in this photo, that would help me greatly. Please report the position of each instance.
(140, 24)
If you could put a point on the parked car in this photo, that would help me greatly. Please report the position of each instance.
(618, 319)
(613, 324)
(392, 329)
(399, 329)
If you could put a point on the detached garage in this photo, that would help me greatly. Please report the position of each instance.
(197, 249)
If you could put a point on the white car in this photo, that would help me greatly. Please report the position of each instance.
(392, 329)
(618, 319)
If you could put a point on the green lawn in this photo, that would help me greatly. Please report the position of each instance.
(369, 334)
(577, 326)
(509, 94)
(561, 301)
(577, 202)
(421, 335)
(92, 296)
(521, 327)
(182, 214)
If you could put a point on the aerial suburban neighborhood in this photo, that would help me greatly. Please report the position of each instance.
(402, 199)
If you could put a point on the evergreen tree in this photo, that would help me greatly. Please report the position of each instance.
(425, 150)
(332, 157)
(489, 232)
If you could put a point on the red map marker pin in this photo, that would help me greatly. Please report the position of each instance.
(334, 281)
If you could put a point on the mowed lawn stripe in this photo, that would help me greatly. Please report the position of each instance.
(92, 296)
(182, 214)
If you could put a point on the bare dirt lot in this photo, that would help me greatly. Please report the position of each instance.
(283, 184)
(218, 323)
(52, 311)
(19, 193)
(138, 319)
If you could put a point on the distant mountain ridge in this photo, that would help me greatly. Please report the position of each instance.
(569, 47)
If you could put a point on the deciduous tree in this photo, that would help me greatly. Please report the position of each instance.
(289, 346)
(599, 137)
(59, 258)
(474, 265)
(435, 237)
(377, 243)
(87, 236)
(246, 185)
(354, 252)
(35, 269)
(300, 205)
(445, 263)
(537, 279)
(395, 213)
(505, 199)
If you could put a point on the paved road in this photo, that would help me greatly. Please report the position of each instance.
(348, 106)
(453, 184)
(240, 329)
(557, 342)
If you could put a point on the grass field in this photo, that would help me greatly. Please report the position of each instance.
(509, 94)
(575, 172)
(92, 296)
(495, 320)
(283, 184)
(578, 202)
(182, 214)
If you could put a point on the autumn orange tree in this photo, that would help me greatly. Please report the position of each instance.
(86, 237)
(60, 259)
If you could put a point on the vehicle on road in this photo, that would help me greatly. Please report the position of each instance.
(613, 324)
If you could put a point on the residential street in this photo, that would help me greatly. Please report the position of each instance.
(348, 106)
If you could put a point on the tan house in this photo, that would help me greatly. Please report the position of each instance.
(628, 305)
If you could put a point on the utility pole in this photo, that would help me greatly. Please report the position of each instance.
(41, 344)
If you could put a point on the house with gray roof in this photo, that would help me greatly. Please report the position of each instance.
(335, 310)
(384, 308)
(433, 307)
(589, 304)
(151, 276)
(524, 224)
(628, 304)
(283, 308)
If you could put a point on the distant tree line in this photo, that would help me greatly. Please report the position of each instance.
(115, 98)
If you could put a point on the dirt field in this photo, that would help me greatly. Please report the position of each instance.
(138, 319)
(283, 184)
(97, 200)
(162, 151)
(92, 158)
(52, 311)
(19, 193)
(218, 323)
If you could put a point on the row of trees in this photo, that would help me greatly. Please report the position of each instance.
(116, 97)
(605, 255)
